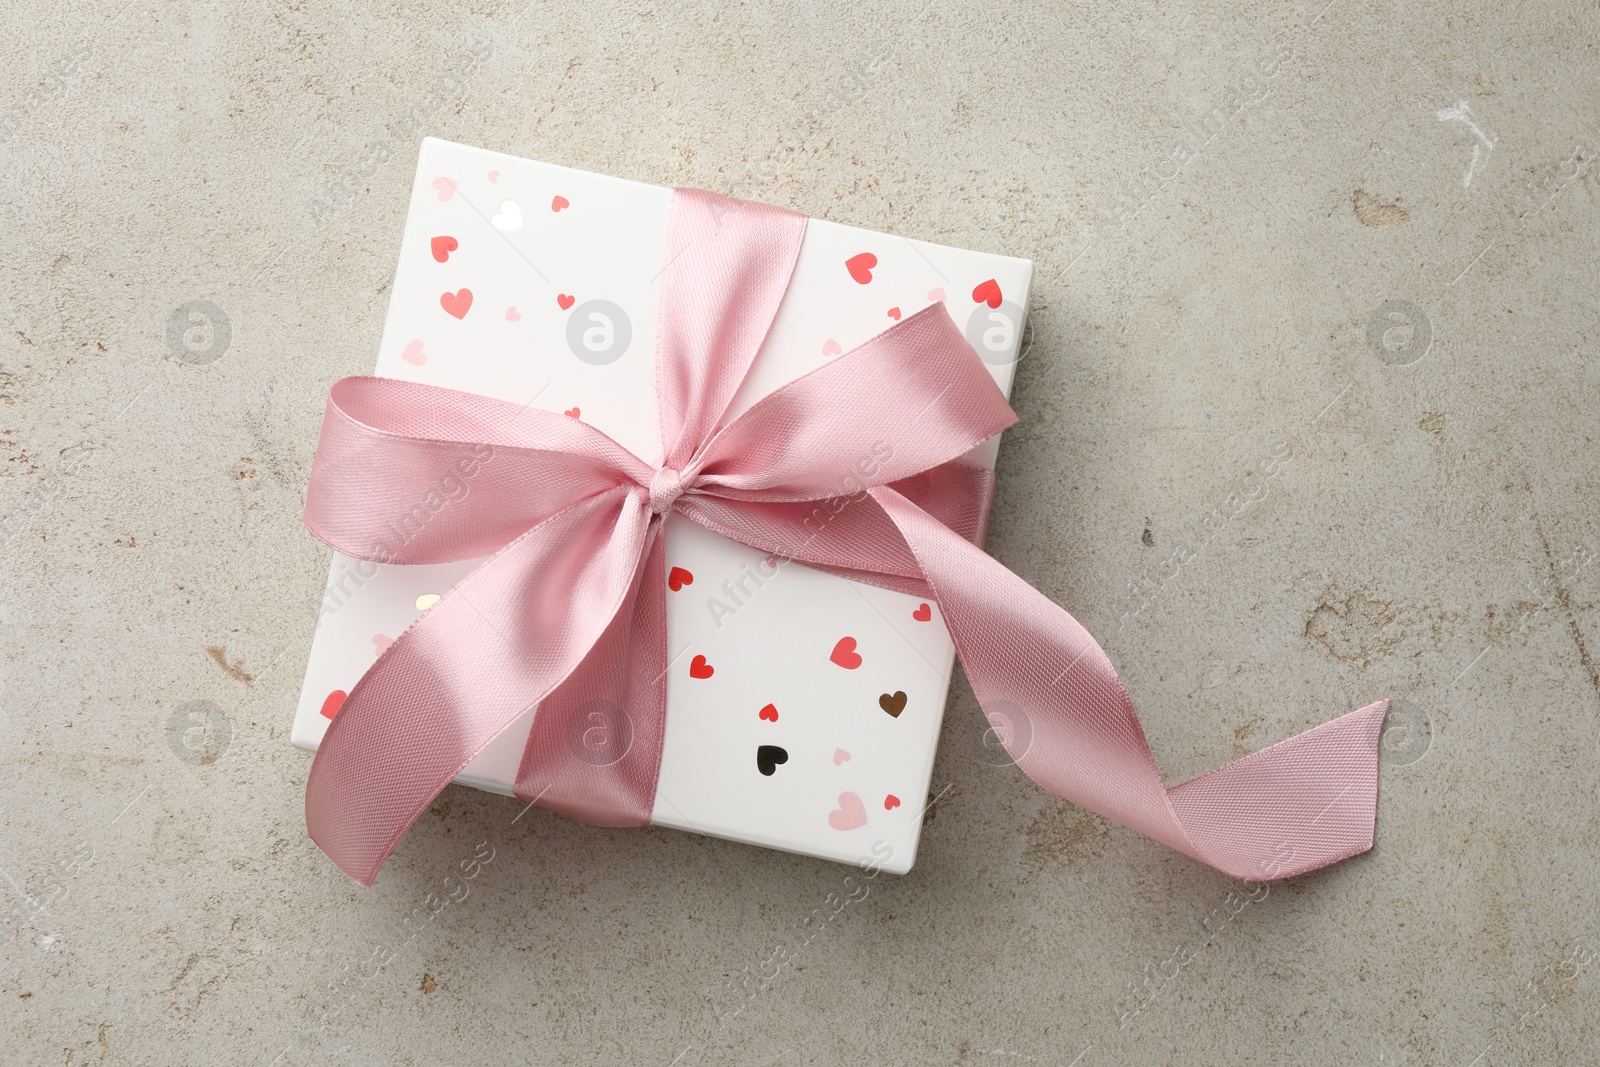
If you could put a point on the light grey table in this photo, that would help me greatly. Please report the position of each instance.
(1360, 237)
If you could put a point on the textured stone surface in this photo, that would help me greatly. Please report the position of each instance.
(1206, 288)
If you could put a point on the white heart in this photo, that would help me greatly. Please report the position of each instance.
(509, 218)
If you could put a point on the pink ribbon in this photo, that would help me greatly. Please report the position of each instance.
(570, 607)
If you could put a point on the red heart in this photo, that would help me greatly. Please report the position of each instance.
(331, 706)
(923, 613)
(677, 578)
(572, 413)
(987, 293)
(894, 313)
(845, 654)
(564, 300)
(699, 668)
(769, 713)
(558, 203)
(860, 266)
(443, 246)
(891, 802)
(457, 303)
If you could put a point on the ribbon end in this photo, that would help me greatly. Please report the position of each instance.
(1293, 807)
(359, 869)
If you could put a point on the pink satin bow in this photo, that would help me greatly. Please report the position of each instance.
(569, 609)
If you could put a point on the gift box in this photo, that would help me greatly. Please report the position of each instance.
(802, 708)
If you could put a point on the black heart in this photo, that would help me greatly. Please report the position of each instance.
(768, 757)
(894, 705)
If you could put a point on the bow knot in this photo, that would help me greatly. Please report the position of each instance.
(666, 486)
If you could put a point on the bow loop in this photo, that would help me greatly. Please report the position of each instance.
(412, 474)
(831, 433)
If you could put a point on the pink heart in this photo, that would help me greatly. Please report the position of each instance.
(936, 295)
(413, 354)
(840, 756)
(381, 643)
(830, 347)
(850, 813)
(512, 314)
(494, 175)
(446, 188)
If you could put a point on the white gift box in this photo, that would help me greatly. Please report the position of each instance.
(537, 284)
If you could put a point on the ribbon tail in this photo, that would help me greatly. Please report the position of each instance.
(594, 752)
(1059, 708)
(498, 643)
